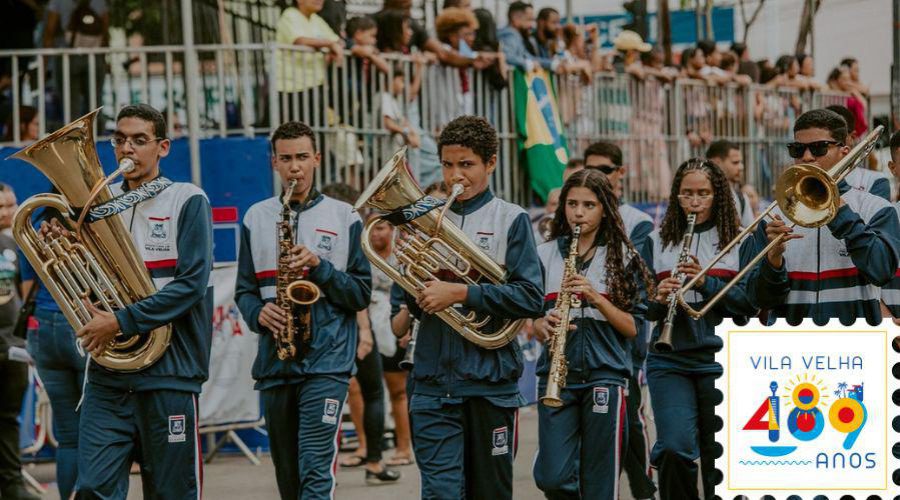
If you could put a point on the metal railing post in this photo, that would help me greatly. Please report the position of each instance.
(192, 84)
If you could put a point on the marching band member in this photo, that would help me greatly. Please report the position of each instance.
(870, 181)
(832, 271)
(890, 294)
(583, 438)
(465, 400)
(151, 414)
(682, 380)
(607, 158)
(302, 397)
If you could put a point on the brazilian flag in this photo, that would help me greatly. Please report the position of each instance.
(541, 142)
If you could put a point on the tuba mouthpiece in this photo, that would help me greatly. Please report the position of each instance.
(126, 165)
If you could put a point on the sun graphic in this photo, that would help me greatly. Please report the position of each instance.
(806, 392)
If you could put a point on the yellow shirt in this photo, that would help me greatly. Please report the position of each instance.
(297, 71)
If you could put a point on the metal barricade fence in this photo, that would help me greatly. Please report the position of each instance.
(249, 89)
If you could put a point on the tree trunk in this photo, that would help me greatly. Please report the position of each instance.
(698, 19)
(664, 23)
(806, 22)
(707, 14)
(749, 22)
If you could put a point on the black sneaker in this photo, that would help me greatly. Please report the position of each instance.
(386, 476)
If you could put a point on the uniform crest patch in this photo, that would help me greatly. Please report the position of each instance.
(176, 429)
(159, 229)
(500, 441)
(484, 240)
(601, 400)
(325, 241)
(330, 412)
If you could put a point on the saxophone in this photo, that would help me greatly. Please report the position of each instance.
(293, 295)
(559, 366)
(664, 342)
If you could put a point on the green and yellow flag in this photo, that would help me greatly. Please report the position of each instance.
(542, 145)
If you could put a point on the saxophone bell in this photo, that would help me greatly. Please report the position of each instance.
(303, 292)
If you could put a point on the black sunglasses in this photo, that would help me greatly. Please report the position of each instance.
(606, 169)
(817, 148)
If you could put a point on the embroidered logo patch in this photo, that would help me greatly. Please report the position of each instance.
(601, 400)
(325, 240)
(484, 240)
(500, 442)
(159, 229)
(330, 413)
(176, 429)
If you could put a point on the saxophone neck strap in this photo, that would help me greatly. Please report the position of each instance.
(128, 199)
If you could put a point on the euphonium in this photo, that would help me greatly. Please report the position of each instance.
(96, 262)
(294, 296)
(431, 244)
(664, 342)
(559, 365)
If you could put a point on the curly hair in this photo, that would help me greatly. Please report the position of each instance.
(473, 132)
(452, 20)
(674, 223)
(625, 293)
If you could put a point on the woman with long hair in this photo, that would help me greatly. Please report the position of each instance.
(580, 442)
(682, 378)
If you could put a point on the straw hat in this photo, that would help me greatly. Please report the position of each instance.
(629, 40)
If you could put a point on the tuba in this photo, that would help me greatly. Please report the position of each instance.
(431, 244)
(97, 262)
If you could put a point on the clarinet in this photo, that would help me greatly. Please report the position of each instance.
(664, 342)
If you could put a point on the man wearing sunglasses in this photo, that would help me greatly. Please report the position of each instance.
(861, 177)
(607, 158)
(833, 271)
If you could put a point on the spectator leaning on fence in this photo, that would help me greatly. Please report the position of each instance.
(547, 33)
(745, 65)
(629, 47)
(420, 38)
(300, 72)
(839, 80)
(852, 66)
(486, 41)
(519, 45)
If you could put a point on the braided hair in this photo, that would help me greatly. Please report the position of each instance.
(723, 212)
(625, 292)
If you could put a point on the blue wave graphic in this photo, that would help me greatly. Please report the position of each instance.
(774, 462)
(773, 451)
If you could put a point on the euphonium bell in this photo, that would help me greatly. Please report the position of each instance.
(100, 263)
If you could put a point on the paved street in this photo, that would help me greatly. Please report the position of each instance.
(233, 477)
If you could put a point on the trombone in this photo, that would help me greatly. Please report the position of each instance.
(807, 195)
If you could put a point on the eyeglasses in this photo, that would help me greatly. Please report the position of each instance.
(687, 198)
(606, 169)
(817, 148)
(136, 142)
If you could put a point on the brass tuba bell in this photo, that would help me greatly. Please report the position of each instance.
(432, 244)
(99, 263)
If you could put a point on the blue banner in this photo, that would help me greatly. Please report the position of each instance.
(684, 26)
